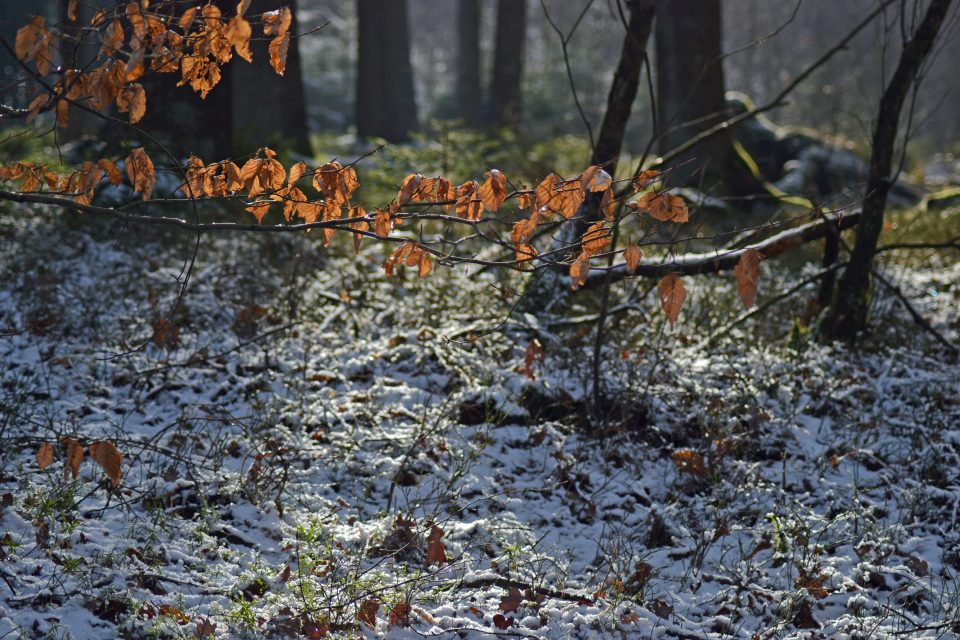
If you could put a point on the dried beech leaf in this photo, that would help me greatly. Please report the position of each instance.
(45, 456)
(74, 457)
(140, 171)
(747, 272)
(689, 461)
(672, 294)
(368, 612)
(436, 554)
(106, 454)
(632, 256)
(579, 269)
(494, 190)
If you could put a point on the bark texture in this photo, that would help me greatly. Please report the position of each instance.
(385, 105)
(469, 90)
(269, 109)
(847, 315)
(505, 93)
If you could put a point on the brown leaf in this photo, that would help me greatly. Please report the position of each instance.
(113, 173)
(106, 454)
(596, 239)
(436, 554)
(133, 99)
(546, 192)
(382, 223)
(277, 23)
(502, 622)
(425, 264)
(664, 206)
(608, 204)
(296, 172)
(689, 461)
(579, 269)
(748, 276)
(672, 295)
(72, 11)
(45, 456)
(238, 34)
(112, 39)
(259, 209)
(74, 457)
(494, 191)
(400, 615)
(632, 256)
(278, 49)
(511, 601)
(410, 189)
(140, 171)
(596, 179)
(368, 612)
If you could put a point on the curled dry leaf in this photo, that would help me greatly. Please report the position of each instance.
(494, 191)
(45, 456)
(400, 615)
(382, 223)
(132, 99)
(106, 454)
(632, 256)
(665, 207)
(140, 171)
(113, 173)
(436, 553)
(596, 239)
(579, 269)
(511, 601)
(368, 612)
(747, 272)
(596, 179)
(672, 294)
(546, 192)
(74, 456)
(278, 49)
(410, 189)
(689, 461)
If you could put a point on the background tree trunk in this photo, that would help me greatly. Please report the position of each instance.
(81, 123)
(505, 94)
(469, 91)
(385, 105)
(269, 109)
(847, 315)
(626, 81)
(690, 94)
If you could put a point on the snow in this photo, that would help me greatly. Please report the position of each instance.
(327, 433)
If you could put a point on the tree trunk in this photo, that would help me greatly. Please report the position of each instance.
(181, 120)
(626, 81)
(690, 94)
(847, 315)
(269, 109)
(505, 94)
(469, 91)
(77, 56)
(385, 105)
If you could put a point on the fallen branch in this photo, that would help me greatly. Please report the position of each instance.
(726, 259)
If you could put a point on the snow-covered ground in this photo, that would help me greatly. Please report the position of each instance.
(314, 444)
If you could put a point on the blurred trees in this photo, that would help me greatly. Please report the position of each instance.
(269, 108)
(505, 95)
(385, 105)
(469, 89)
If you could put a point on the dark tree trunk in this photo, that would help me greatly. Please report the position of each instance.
(690, 94)
(385, 105)
(181, 120)
(469, 91)
(847, 315)
(505, 94)
(77, 56)
(269, 109)
(626, 81)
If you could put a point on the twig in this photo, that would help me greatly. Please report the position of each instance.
(917, 317)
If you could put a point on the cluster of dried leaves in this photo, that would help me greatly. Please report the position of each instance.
(133, 37)
(103, 452)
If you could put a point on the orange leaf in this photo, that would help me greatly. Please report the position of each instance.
(425, 265)
(72, 11)
(259, 209)
(400, 615)
(277, 23)
(238, 34)
(436, 554)
(645, 179)
(664, 206)
(45, 456)
(382, 223)
(546, 192)
(133, 99)
(410, 189)
(596, 179)
(112, 39)
(632, 256)
(140, 171)
(689, 461)
(368, 612)
(672, 295)
(608, 204)
(113, 174)
(106, 454)
(279, 47)
(511, 601)
(296, 172)
(748, 276)
(596, 239)
(494, 191)
(74, 457)
(579, 269)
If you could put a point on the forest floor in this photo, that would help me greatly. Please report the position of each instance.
(314, 449)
